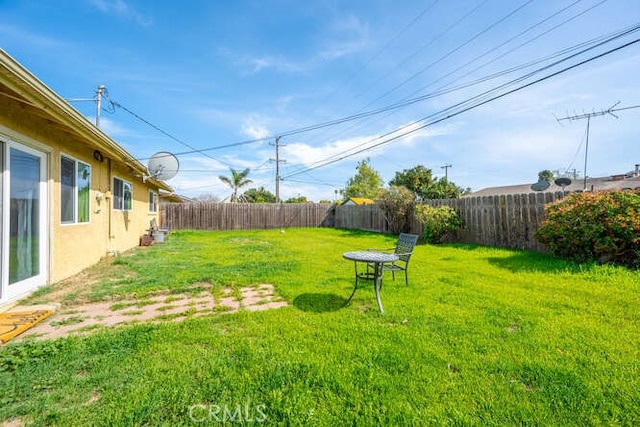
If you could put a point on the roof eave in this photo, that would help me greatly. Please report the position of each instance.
(40, 96)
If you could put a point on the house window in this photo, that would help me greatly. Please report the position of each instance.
(75, 185)
(122, 194)
(153, 201)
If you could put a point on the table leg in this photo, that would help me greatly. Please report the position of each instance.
(355, 286)
(377, 281)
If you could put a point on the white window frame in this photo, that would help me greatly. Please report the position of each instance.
(153, 201)
(74, 220)
(119, 202)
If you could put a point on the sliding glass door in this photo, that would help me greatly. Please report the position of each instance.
(24, 226)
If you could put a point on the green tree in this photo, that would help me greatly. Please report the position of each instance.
(259, 195)
(366, 183)
(299, 199)
(421, 181)
(417, 179)
(545, 175)
(444, 189)
(236, 181)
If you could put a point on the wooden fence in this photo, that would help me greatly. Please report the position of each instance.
(508, 221)
(362, 217)
(244, 216)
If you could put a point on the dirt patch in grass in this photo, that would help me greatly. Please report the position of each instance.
(79, 316)
(79, 313)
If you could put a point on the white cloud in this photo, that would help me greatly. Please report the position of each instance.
(253, 128)
(355, 148)
(112, 128)
(122, 9)
(45, 43)
(348, 35)
(345, 37)
(278, 63)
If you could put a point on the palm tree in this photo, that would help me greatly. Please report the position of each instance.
(236, 181)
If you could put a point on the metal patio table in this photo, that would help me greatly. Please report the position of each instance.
(373, 270)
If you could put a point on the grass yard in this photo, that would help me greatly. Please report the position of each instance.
(481, 336)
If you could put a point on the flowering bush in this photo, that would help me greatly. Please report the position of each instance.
(437, 221)
(603, 227)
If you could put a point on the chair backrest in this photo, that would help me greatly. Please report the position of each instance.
(405, 245)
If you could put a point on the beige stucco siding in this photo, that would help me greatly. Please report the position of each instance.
(74, 247)
(128, 226)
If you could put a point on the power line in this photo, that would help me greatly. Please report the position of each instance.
(443, 89)
(516, 47)
(321, 125)
(195, 150)
(451, 52)
(595, 42)
(470, 107)
(379, 52)
(424, 46)
(601, 42)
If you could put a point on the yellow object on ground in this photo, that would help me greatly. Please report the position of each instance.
(14, 323)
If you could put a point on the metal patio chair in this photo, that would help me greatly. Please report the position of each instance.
(404, 250)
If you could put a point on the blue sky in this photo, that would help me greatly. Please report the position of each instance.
(214, 74)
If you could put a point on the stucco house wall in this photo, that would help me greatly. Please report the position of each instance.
(33, 116)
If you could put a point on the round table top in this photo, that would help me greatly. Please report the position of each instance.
(370, 256)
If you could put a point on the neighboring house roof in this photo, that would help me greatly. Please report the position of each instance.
(18, 84)
(615, 182)
(359, 201)
(174, 198)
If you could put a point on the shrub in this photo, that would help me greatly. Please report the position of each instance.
(603, 227)
(437, 221)
(397, 203)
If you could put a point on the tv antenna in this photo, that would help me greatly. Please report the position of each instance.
(588, 116)
(163, 166)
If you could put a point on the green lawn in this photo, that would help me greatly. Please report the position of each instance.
(481, 336)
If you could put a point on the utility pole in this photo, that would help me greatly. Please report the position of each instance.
(588, 116)
(98, 104)
(97, 100)
(446, 168)
(277, 160)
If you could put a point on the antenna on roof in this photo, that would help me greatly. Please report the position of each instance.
(588, 116)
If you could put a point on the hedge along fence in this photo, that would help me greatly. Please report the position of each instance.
(508, 221)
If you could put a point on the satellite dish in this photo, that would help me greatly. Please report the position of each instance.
(563, 181)
(163, 166)
(540, 185)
